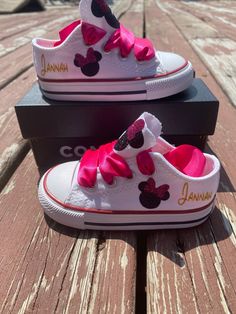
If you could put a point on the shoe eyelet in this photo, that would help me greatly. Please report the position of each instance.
(122, 58)
(110, 186)
(104, 51)
(141, 62)
(134, 174)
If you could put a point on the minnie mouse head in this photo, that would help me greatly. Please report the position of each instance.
(100, 9)
(151, 196)
(89, 65)
(133, 136)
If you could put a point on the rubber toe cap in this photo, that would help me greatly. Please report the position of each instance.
(58, 181)
(171, 61)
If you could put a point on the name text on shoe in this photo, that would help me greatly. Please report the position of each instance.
(52, 67)
(188, 196)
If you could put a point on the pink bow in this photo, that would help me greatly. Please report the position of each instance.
(91, 33)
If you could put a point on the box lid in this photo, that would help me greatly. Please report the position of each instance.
(193, 111)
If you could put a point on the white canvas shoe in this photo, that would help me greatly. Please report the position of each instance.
(97, 58)
(137, 182)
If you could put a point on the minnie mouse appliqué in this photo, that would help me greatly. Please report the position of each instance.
(151, 196)
(100, 9)
(89, 65)
(133, 136)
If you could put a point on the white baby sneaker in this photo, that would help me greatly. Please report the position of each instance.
(97, 58)
(137, 182)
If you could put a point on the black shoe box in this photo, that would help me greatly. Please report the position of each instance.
(61, 131)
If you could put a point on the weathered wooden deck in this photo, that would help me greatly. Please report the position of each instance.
(47, 268)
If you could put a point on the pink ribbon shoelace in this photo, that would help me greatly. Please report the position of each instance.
(110, 165)
(126, 41)
(186, 158)
(121, 38)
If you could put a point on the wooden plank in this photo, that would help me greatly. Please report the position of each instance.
(121, 7)
(133, 18)
(220, 57)
(18, 40)
(17, 23)
(187, 20)
(169, 285)
(56, 268)
(15, 63)
(47, 268)
(217, 53)
(190, 273)
(224, 22)
(12, 147)
(206, 275)
(114, 280)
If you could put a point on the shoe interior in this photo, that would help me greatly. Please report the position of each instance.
(190, 161)
(210, 165)
(45, 43)
(187, 159)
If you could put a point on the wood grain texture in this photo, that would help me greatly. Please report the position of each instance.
(169, 285)
(187, 269)
(12, 147)
(133, 18)
(47, 268)
(17, 78)
(206, 274)
(219, 54)
(16, 41)
(210, 43)
(18, 23)
(167, 36)
(221, 18)
(20, 59)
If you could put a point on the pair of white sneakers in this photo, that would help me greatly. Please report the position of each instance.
(138, 181)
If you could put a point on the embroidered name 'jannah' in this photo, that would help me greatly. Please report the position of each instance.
(188, 196)
(52, 67)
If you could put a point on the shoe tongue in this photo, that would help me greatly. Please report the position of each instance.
(98, 13)
(141, 135)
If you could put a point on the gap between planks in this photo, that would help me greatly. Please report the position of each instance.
(52, 268)
(192, 270)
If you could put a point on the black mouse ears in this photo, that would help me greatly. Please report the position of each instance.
(100, 8)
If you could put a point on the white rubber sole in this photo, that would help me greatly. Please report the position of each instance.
(98, 221)
(127, 90)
